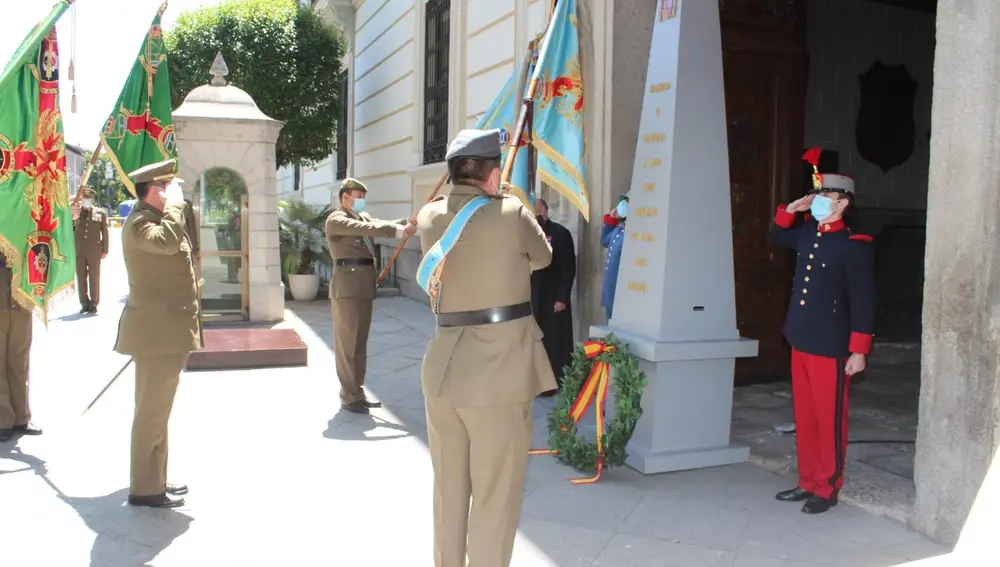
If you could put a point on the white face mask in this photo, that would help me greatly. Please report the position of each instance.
(88, 203)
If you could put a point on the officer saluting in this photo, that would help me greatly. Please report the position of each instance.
(486, 362)
(159, 326)
(830, 321)
(91, 231)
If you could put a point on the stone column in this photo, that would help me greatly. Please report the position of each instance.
(267, 293)
(959, 425)
(675, 302)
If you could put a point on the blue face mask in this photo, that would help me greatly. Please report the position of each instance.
(622, 209)
(358, 206)
(820, 207)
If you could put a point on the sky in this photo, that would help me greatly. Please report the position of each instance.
(109, 35)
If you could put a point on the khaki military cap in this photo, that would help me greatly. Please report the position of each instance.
(162, 171)
(88, 193)
(475, 144)
(352, 184)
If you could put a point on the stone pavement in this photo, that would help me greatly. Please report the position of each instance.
(279, 476)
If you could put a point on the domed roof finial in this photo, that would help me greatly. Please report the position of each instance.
(219, 71)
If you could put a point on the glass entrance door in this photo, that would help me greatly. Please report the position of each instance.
(221, 204)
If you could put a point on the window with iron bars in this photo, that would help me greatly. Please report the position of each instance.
(342, 127)
(437, 24)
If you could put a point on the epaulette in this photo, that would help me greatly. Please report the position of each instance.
(859, 237)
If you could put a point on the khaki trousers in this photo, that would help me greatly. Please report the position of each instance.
(88, 278)
(479, 454)
(352, 321)
(15, 351)
(156, 380)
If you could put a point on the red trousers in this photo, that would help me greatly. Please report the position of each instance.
(819, 393)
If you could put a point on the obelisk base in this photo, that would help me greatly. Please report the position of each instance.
(687, 405)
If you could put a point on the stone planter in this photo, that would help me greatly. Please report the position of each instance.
(304, 287)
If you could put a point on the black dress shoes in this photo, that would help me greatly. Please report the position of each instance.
(177, 489)
(85, 308)
(794, 495)
(162, 500)
(28, 429)
(360, 407)
(372, 404)
(818, 504)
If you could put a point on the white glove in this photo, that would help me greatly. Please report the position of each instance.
(173, 194)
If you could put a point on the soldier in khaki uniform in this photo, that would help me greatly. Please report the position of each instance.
(15, 351)
(91, 231)
(159, 326)
(349, 234)
(486, 362)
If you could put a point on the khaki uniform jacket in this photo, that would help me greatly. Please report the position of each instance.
(490, 266)
(351, 235)
(91, 232)
(161, 314)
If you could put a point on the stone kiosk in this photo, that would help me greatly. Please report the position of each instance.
(675, 302)
(220, 126)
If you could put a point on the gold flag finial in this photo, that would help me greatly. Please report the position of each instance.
(163, 8)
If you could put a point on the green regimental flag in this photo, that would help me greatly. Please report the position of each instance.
(140, 130)
(36, 225)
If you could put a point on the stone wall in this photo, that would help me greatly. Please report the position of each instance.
(844, 39)
(959, 424)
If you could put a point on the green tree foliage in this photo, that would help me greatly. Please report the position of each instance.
(223, 189)
(281, 53)
(108, 188)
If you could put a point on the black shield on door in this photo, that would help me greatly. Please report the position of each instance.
(885, 131)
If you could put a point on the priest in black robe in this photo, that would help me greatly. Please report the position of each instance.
(551, 289)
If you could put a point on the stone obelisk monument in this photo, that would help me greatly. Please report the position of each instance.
(675, 302)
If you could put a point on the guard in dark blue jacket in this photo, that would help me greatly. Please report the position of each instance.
(830, 321)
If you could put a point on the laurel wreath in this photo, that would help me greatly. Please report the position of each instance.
(627, 383)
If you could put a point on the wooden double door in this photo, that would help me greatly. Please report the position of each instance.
(765, 70)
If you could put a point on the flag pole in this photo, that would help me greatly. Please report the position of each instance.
(529, 99)
(33, 38)
(516, 135)
(86, 173)
(440, 184)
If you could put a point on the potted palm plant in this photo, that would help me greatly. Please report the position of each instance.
(302, 246)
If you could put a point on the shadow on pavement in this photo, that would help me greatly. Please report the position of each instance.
(346, 426)
(136, 542)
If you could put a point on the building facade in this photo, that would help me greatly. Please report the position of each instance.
(838, 74)
(416, 72)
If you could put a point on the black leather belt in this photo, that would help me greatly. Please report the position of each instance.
(354, 262)
(484, 316)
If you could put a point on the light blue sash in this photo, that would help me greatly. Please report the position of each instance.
(429, 270)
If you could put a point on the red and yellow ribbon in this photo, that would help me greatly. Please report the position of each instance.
(595, 387)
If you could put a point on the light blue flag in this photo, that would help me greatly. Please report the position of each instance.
(503, 114)
(558, 117)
